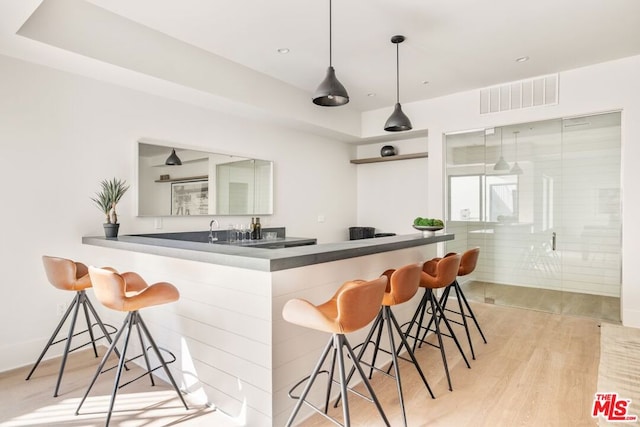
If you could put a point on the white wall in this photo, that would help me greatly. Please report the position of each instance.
(392, 194)
(604, 87)
(62, 134)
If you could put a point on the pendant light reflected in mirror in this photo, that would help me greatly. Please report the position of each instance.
(501, 164)
(516, 169)
(173, 159)
(397, 121)
(330, 93)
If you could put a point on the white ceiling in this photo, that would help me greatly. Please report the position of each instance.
(454, 45)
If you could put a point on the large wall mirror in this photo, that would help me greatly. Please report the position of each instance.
(203, 184)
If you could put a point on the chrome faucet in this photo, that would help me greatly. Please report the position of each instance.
(213, 238)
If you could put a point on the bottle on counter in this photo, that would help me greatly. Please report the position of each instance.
(253, 229)
(258, 229)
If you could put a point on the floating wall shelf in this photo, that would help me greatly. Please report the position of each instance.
(187, 178)
(391, 158)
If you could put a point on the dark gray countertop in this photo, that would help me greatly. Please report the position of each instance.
(262, 259)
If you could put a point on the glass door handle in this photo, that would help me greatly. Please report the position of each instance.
(553, 241)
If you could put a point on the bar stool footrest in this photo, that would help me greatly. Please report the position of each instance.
(168, 362)
(112, 331)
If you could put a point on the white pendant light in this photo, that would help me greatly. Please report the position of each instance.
(330, 93)
(501, 164)
(397, 121)
(516, 169)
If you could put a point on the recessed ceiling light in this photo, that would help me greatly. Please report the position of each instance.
(522, 59)
(283, 50)
(371, 94)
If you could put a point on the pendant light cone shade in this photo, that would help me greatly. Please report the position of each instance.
(501, 164)
(330, 93)
(173, 159)
(516, 169)
(397, 121)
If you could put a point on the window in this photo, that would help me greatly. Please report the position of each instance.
(483, 198)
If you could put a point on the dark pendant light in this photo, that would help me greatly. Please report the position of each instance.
(173, 159)
(330, 93)
(516, 169)
(501, 164)
(397, 121)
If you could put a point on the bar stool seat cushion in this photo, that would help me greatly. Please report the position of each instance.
(129, 292)
(352, 307)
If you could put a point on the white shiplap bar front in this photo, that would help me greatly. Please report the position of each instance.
(233, 348)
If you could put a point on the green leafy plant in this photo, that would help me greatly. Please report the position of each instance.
(428, 222)
(111, 191)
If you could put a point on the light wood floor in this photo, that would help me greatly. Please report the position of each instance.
(538, 369)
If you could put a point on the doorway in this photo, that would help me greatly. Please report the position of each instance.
(542, 201)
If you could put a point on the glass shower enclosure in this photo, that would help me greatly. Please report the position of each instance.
(542, 201)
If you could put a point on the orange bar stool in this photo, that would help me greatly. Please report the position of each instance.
(436, 274)
(128, 292)
(353, 306)
(402, 285)
(71, 276)
(467, 266)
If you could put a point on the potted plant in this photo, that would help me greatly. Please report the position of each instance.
(111, 191)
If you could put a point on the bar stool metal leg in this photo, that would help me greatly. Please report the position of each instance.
(402, 287)
(133, 318)
(437, 273)
(437, 315)
(464, 314)
(316, 370)
(387, 317)
(71, 313)
(102, 363)
(354, 305)
(337, 343)
(156, 349)
(144, 353)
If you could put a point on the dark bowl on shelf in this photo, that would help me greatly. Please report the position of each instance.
(388, 150)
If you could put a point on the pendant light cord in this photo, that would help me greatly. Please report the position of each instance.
(330, 30)
(397, 73)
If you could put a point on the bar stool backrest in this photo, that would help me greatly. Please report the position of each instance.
(352, 307)
(359, 303)
(468, 261)
(66, 274)
(402, 285)
(441, 272)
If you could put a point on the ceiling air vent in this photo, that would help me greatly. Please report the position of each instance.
(534, 92)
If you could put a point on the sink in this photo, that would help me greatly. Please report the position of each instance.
(221, 235)
(190, 236)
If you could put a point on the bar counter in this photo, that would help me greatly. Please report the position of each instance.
(233, 348)
(263, 259)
